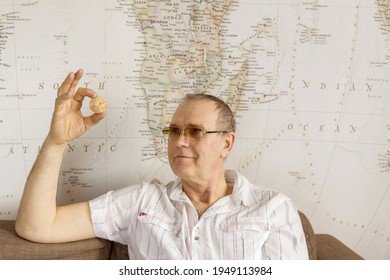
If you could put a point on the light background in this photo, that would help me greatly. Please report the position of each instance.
(307, 80)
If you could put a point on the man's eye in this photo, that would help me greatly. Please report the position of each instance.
(195, 133)
(175, 130)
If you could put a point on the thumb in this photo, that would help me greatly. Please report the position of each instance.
(93, 119)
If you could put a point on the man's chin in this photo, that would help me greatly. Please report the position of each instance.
(182, 171)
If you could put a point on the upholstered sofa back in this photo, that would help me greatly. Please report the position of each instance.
(12, 247)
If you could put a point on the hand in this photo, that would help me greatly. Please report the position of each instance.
(68, 123)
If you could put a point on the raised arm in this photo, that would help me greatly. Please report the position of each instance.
(39, 218)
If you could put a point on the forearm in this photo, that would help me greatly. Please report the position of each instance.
(37, 210)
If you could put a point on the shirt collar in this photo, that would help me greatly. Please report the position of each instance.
(176, 190)
(241, 190)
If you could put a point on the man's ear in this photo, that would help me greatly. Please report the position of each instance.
(230, 137)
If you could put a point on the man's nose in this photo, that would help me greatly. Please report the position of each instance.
(182, 139)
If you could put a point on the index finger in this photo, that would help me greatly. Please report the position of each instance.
(81, 93)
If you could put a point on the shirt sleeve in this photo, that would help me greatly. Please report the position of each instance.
(113, 211)
(286, 236)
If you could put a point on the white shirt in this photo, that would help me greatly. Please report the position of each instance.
(160, 222)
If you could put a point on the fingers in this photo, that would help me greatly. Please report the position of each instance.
(70, 82)
(79, 74)
(67, 91)
(69, 85)
(65, 86)
(81, 93)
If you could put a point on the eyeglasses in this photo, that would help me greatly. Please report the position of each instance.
(190, 133)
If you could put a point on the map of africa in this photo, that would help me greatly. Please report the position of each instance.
(308, 82)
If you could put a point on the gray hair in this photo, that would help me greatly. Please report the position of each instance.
(225, 119)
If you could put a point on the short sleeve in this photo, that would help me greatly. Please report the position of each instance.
(112, 213)
(286, 238)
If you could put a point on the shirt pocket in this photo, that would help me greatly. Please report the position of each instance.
(148, 216)
(158, 236)
(243, 238)
(243, 224)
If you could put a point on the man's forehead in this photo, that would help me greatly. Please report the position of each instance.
(196, 112)
(198, 106)
(197, 103)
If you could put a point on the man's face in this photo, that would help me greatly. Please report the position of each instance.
(196, 160)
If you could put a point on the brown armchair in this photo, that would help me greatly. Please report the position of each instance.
(325, 246)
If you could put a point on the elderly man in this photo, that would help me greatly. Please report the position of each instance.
(207, 213)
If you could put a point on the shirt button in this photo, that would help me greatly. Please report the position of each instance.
(197, 238)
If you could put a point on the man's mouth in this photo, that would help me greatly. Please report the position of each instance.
(183, 157)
